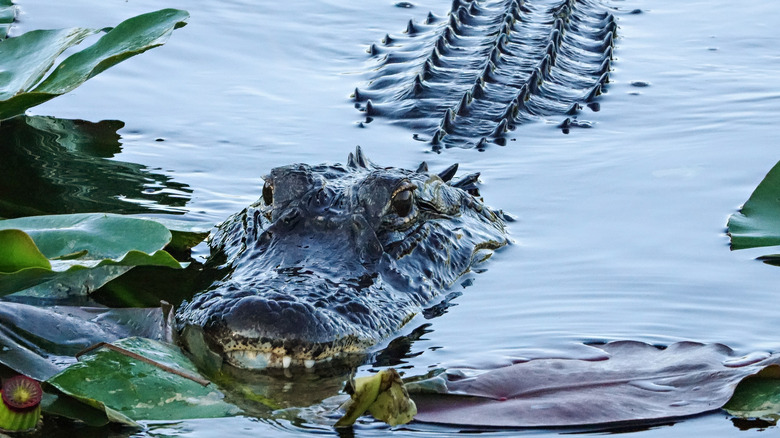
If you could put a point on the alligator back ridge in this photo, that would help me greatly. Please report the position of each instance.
(489, 65)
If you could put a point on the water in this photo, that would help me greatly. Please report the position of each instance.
(620, 230)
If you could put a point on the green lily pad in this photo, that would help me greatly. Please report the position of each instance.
(130, 388)
(7, 16)
(185, 234)
(84, 250)
(24, 60)
(758, 222)
(757, 396)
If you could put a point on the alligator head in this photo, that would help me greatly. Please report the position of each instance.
(333, 259)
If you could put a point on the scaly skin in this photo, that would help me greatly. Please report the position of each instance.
(464, 79)
(333, 259)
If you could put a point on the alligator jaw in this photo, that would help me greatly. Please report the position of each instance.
(278, 358)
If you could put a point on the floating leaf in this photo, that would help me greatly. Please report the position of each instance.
(133, 389)
(25, 59)
(185, 234)
(19, 252)
(84, 250)
(758, 222)
(758, 396)
(630, 382)
(7, 16)
(383, 395)
(39, 342)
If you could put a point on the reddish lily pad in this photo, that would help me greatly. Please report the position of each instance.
(632, 382)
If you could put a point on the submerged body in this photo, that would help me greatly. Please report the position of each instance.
(333, 259)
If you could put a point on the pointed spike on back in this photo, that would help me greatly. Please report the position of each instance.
(501, 44)
(441, 44)
(422, 168)
(411, 28)
(574, 109)
(372, 50)
(463, 106)
(609, 41)
(545, 65)
(449, 115)
(351, 161)
(594, 93)
(474, 9)
(426, 72)
(552, 52)
(522, 96)
(482, 144)
(435, 57)
(464, 15)
(446, 122)
(438, 137)
(495, 56)
(478, 91)
(370, 108)
(448, 173)
(357, 95)
(467, 180)
(387, 40)
(606, 66)
(454, 25)
(417, 86)
(515, 10)
(430, 19)
(500, 128)
(533, 82)
(361, 159)
(511, 111)
(604, 78)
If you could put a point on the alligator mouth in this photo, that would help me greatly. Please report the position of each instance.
(258, 358)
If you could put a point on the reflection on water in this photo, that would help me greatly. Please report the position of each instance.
(53, 166)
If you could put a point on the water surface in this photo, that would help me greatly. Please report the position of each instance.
(620, 228)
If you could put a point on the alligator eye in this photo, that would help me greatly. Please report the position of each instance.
(268, 193)
(402, 203)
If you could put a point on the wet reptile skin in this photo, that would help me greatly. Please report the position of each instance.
(334, 258)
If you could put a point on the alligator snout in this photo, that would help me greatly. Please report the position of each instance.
(334, 258)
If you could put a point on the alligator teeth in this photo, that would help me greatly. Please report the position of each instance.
(308, 363)
(286, 361)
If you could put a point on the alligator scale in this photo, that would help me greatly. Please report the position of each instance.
(465, 79)
(334, 258)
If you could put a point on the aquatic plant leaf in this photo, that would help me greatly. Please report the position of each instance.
(185, 234)
(58, 166)
(26, 58)
(18, 251)
(137, 390)
(84, 250)
(758, 396)
(758, 222)
(26, 66)
(383, 395)
(631, 382)
(41, 341)
(7, 16)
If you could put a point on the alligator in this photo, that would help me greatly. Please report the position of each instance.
(465, 79)
(335, 258)
(332, 259)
